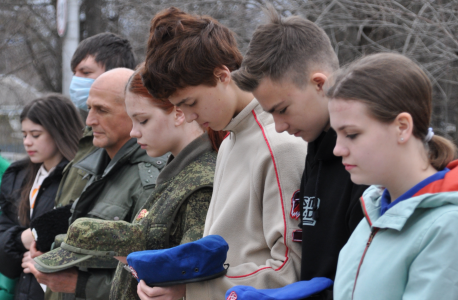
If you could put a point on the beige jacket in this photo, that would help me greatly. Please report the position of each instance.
(257, 172)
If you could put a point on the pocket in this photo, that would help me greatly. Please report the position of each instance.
(107, 211)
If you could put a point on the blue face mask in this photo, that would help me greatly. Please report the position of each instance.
(79, 91)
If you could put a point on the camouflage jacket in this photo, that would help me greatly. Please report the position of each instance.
(176, 212)
(114, 190)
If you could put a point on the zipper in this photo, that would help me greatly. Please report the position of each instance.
(371, 237)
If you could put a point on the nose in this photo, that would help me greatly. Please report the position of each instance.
(135, 133)
(27, 141)
(190, 116)
(280, 125)
(91, 119)
(340, 149)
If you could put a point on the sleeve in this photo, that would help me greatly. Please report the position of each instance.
(94, 284)
(275, 177)
(11, 247)
(433, 274)
(191, 218)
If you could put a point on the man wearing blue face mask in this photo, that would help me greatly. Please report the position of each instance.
(93, 57)
(79, 91)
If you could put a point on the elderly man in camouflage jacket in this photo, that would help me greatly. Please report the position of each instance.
(119, 178)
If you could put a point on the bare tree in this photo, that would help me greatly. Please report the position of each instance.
(30, 47)
(424, 30)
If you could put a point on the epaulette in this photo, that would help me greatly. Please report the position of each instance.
(149, 171)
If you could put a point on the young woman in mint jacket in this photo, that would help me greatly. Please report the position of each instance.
(406, 247)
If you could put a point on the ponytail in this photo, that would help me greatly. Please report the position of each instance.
(441, 152)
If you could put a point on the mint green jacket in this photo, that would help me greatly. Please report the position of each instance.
(412, 256)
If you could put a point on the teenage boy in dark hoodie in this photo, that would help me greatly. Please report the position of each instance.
(287, 63)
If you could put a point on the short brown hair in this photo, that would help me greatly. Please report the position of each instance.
(285, 48)
(108, 49)
(390, 84)
(184, 50)
(136, 87)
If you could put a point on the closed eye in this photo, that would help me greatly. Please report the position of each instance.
(192, 104)
(143, 122)
(352, 136)
(281, 112)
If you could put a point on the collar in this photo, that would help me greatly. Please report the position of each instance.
(193, 150)
(435, 194)
(42, 171)
(385, 201)
(99, 163)
(236, 124)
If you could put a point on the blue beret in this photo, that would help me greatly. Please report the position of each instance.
(196, 261)
(294, 291)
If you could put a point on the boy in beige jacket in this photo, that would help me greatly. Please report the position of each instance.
(287, 64)
(189, 63)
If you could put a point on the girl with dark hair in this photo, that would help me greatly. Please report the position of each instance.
(405, 248)
(51, 128)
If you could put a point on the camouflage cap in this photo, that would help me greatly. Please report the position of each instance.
(92, 243)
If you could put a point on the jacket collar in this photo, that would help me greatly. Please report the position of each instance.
(236, 124)
(59, 168)
(21, 164)
(193, 150)
(438, 193)
(98, 162)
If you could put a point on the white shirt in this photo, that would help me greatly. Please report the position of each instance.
(41, 175)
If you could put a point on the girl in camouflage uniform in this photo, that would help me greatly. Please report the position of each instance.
(175, 213)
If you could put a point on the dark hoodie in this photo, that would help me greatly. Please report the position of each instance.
(330, 208)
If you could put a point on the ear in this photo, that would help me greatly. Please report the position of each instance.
(404, 127)
(223, 74)
(318, 80)
(179, 116)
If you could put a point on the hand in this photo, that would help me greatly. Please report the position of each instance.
(25, 260)
(33, 250)
(161, 293)
(27, 238)
(122, 259)
(62, 282)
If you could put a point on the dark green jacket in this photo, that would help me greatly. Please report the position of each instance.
(176, 211)
(72, 184)
(115, 190)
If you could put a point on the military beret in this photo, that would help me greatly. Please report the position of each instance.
(48, 225)
(295, 291)
(191, 262)
(92, 243)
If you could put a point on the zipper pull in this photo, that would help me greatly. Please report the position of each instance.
(371, 237)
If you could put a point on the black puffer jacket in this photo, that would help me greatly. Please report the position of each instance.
(11, 247)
